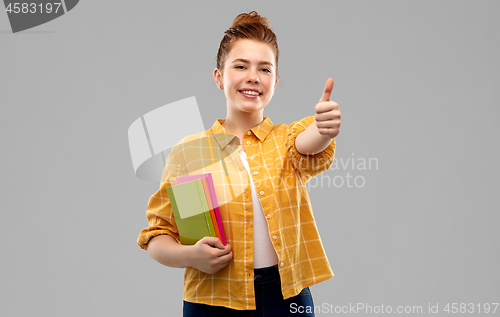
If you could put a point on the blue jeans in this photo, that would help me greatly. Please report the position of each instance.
(268, 297)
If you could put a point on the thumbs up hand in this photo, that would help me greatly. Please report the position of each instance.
(327, 113)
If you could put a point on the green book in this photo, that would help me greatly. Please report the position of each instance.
(191, 211)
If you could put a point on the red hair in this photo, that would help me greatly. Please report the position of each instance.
(247, 26)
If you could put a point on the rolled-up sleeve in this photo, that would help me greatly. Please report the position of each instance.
(308, 166)
(159, 211)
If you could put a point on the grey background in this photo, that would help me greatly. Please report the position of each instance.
(417, 84)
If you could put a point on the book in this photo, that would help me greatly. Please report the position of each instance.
(202, 177)
(212, 201)
(191, 211)
(211, 206)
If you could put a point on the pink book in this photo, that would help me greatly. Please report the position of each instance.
(210, 182)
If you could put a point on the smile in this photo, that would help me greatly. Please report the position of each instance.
(249, 92)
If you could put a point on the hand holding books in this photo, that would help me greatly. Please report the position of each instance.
(196, 212)
(210, 256)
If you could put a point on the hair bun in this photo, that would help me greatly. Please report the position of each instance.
(250, 18)
(249, 26)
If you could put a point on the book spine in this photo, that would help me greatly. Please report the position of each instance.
(208, 219)
(210, 182)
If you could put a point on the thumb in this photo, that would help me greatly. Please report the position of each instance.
(327, 92)
(215, 242)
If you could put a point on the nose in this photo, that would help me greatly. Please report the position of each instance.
(253, 77)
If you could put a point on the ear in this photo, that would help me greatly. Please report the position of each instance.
(217, 77)
(275, 82)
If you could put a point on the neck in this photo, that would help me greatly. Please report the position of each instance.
(239, 122)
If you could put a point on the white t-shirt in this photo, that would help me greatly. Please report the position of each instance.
(264, 254)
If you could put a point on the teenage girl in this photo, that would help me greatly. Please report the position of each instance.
(273, 251)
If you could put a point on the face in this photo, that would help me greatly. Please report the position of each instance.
(249, 76)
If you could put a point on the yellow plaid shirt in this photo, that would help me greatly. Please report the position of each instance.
(279, 173)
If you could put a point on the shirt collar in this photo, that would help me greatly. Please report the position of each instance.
(223, 137)
(263, 129)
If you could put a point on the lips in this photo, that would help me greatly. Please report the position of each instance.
(249, 95)
(250, 92)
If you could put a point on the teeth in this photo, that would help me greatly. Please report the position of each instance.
(249, 92)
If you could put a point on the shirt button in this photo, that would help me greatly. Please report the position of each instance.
(251, 158)
(268, 216)
(281, 264)
(275, 238)
(262, 193)
(248, 142)
(249, 133)
(255, 173)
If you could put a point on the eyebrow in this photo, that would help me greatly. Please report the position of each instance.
(248, 62)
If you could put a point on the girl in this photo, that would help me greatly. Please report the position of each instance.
(274, 251)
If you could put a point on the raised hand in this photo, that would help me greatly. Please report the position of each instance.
(327, 113)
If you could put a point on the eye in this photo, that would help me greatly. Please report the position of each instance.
(266, 70)
(240, 67)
